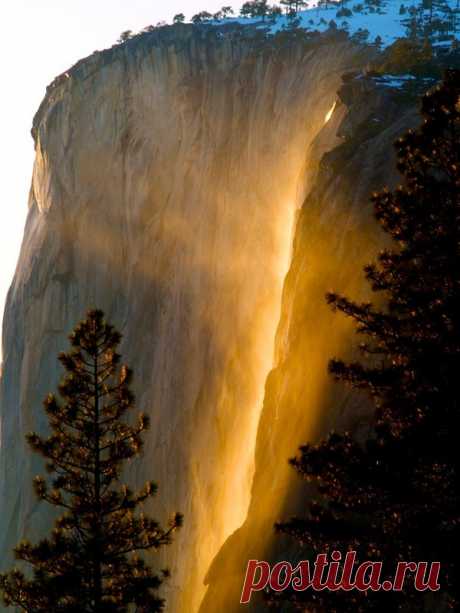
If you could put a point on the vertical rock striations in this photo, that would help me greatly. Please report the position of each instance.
(167, 176)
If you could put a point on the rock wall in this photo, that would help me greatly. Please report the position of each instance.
(167, 177)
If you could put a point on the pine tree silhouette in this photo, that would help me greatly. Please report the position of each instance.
(294, 6)
(92, 561)
(396, 497)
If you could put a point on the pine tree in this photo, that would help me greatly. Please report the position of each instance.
(227, 11)
(202, 17)
(294, 6)
(395, 497)
(92, 561)
(275, 12)
(125, 36)
(255, 8)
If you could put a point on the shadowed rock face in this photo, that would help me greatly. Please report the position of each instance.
(167, 176)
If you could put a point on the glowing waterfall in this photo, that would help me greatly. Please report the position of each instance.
(330, 112)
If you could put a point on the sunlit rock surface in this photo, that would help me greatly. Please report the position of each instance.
(167, 177)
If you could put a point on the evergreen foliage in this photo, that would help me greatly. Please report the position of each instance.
(125, 36)
(255, 8)
(395, 496)
(408, 56)
(91, 563)
(293, 6)
(224, 13)
(202, 17)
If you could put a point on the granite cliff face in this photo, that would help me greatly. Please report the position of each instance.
(168, 178)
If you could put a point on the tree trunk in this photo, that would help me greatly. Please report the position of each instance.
(97, 495)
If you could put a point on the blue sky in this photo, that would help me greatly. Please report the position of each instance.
(39, 40)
